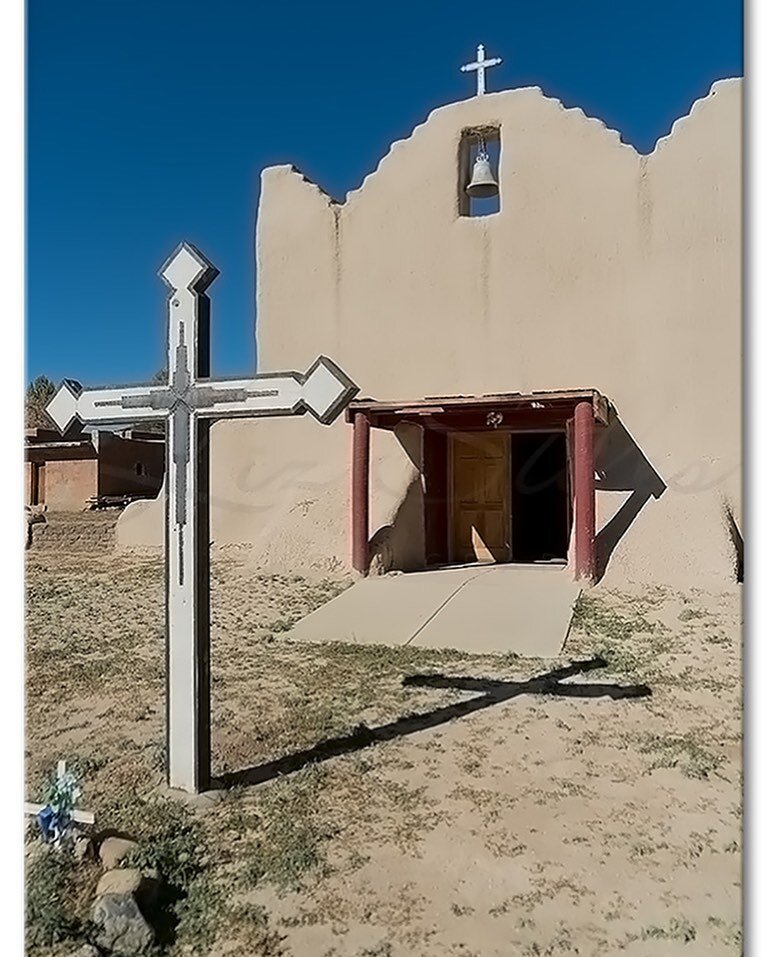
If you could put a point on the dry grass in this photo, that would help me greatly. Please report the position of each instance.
(538, 825)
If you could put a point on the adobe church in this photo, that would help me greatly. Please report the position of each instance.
(545, 328)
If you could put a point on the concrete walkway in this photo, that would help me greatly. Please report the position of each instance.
(524, 609)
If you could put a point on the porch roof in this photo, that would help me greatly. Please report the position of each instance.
(436, 409)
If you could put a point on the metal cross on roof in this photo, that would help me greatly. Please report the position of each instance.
(480, 65)
(188, 404)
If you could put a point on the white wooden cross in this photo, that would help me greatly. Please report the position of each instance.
(481, 66)
(80, 817)
(189, 403)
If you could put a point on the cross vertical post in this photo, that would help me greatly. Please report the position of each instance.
(187, 513)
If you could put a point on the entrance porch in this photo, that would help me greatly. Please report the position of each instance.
(506, 478)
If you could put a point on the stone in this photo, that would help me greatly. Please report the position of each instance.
(122, 928)
(34, 515)
(122, 880)
(204, 799)
(82, 848)
(144, 884)
(87, 950)
(114, 850)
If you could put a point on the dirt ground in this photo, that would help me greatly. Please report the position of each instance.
(493, 815)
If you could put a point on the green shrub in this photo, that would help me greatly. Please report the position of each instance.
(172, 840)
(49, 900)
(199, 914)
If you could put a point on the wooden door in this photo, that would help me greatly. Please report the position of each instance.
(479, 500)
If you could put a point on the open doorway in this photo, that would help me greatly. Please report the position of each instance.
(540, 511)
(509, 497)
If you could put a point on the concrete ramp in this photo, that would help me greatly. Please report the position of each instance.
(525, 609)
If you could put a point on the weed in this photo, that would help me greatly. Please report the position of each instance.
(689, 613)
(85, 767)
(199, 915)
(595, 617)
(158, 755)
(285, 854)
(561, 943)
(646, 849)
(287, 845)
(716, 638)
(50, 889)
(499, 909)
(614, 634)
(383, 949)
(282, 624)
(459, 910)
(253, 914)
(249, 924)
(730, 931)
(677, 929)
(170, 839)
(680, 751)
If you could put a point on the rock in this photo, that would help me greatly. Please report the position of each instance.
(143, 885)
(113, 850)
(204, 800)
(82, 848)
(87, 950)
(122, 927)
(122, 880)
(34, 515)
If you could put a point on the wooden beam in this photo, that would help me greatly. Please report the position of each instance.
(585, 494)
(360, 493)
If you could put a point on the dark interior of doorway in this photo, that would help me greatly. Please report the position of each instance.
(539, 497)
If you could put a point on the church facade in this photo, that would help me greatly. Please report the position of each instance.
(553, 376)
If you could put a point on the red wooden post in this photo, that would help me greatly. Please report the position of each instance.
(360, 493)
(585, 493)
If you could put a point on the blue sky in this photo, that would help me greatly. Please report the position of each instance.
(149, 122)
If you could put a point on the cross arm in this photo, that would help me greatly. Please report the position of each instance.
(480, 64)
(324, 391)
(107, 406)
(81, 817)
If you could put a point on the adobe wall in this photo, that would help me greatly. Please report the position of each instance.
(604, 269)
(69, 483)
(129, 466)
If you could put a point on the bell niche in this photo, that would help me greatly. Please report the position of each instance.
(479, 171)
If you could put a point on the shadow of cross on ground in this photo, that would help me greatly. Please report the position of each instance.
(491, 692)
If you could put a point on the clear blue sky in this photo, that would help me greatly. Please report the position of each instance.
(148, 122)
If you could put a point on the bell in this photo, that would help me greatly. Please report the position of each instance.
(483, 184)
